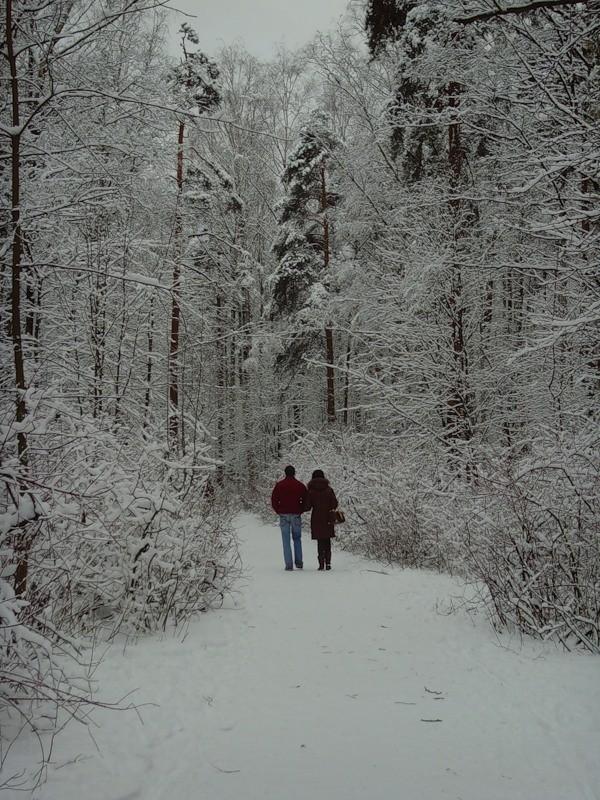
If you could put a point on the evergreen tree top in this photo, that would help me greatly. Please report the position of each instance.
(302, 177)
(384, 22)
(194, 79)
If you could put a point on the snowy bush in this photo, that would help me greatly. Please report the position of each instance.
(41, 677)
(116, 537)
(535, 542)
(127, 537)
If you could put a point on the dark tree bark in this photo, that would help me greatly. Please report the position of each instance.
(347, 380)
(149, 356)
(98, 332)
(175, 302)
(22, 540)
(329, 349)
(458, 415)
(221, 354)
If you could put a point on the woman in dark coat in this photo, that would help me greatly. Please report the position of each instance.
(322, 500)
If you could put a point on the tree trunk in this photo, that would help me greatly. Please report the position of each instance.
(175, 306)
(22, 540)
(329, 350)
(458, 417)
(149, 356)
(220, 389)
(98, 328)
(347, 380)
(122, 331)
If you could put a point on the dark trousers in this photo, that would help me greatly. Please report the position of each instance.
(324, 551)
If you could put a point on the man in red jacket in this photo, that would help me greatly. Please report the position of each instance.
(288, 499)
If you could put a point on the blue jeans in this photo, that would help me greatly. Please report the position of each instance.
(291, 523)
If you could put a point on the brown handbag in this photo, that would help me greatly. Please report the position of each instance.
(338, 516)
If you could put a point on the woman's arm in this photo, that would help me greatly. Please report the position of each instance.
(306, 503)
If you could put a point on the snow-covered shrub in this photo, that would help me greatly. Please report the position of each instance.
(41, 676)
(127, 537)
(116, 537)
(535, 542)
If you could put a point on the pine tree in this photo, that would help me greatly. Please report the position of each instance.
(384, 21)
(303, 248)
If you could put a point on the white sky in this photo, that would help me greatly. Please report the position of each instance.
(259, 24)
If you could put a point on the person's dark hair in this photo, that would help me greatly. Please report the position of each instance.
(290, 471)
(318, 473)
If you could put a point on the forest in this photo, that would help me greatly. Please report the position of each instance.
(378, 254)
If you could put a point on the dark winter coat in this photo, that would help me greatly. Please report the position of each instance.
(322, 500)
(288, 496)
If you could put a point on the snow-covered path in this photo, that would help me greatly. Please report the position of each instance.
(351, 684)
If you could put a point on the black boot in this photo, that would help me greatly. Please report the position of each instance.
(328, 566)
(321, 564)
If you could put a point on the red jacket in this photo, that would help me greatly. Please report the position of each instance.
(288, 496)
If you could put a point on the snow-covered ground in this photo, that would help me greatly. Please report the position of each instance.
(348, 684)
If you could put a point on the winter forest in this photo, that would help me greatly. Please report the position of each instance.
(378, 254)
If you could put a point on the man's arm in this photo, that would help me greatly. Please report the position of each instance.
(304, 500)
(275, 499)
